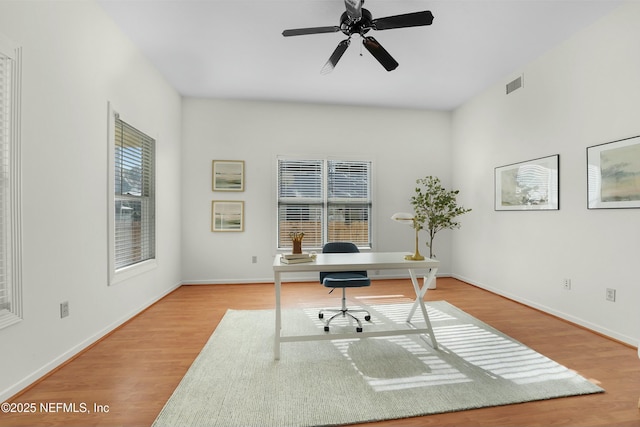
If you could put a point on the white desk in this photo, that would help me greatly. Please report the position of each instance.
(357, 262)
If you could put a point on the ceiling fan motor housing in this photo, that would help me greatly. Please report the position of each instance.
(361, 26)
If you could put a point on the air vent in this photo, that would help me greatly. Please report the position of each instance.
(516, 84)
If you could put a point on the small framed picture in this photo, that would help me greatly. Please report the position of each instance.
(528, 185)
(228, 175)
(613, 174)
(227, 215)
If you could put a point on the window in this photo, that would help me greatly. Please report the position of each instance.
(328, 200)
(10, 226)
(132, 218)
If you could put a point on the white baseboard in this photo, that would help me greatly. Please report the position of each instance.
(72, 352)
(576, 320)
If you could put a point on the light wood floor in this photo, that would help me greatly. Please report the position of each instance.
(135, 369)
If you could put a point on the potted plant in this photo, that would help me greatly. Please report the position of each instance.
(435, 208)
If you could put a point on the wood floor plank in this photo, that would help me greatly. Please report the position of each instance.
(131, 373)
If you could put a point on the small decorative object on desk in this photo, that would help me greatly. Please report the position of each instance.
(297, 258)
(296, 239)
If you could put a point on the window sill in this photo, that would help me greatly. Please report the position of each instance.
(8, 318)
(130, 271)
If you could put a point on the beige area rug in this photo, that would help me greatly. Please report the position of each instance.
(236, 382)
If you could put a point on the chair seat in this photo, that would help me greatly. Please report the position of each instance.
(345, 280)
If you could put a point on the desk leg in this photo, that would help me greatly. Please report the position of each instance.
(276, 344)
(422, 291)
(419, 302)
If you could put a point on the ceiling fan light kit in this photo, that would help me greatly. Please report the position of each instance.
(357, 20)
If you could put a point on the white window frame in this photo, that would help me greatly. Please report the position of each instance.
(325, 202)
(10, 174)
(119, 275)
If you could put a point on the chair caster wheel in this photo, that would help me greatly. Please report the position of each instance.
(326, 329)
(367, 318)
(320, 316)
(358, 329)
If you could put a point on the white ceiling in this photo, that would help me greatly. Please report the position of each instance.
(234, 49)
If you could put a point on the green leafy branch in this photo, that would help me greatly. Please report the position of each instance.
(435, 208)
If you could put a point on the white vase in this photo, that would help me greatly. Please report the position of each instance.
(432, 285)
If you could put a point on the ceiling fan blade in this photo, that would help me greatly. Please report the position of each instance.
(415, 19)
(354, 9)
(379, 53)
(335, 56)
(312, 30)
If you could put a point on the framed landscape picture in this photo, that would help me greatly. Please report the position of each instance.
(227, 215)
(528, 185)
(613, 174)
(228, 175)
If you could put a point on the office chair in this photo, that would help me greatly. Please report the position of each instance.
(344, 280)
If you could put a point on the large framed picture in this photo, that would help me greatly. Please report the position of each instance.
(228, 175)
(613, 174)
(529, 185)
(227, 215)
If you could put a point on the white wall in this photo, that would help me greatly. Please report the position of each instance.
(74, 62)
(404, 144)
(582, 93)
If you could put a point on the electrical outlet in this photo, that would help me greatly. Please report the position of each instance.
(64, 309)
(566, 283)
(611, 295)
(254, 259)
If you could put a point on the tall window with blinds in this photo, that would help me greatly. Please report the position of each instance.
(134, 194)
(10, 227)
(327, 200)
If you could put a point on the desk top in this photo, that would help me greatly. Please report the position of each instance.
(356, 261)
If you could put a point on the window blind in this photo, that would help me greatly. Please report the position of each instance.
(300, 201)
(134, 195)
(5, 214)
(10, 224)
(349, 201)
(327, 200)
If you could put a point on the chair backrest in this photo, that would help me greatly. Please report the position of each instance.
(340, 247)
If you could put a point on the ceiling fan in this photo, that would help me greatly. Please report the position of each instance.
(358, 20)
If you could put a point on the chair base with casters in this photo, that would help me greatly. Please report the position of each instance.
(345, 280)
